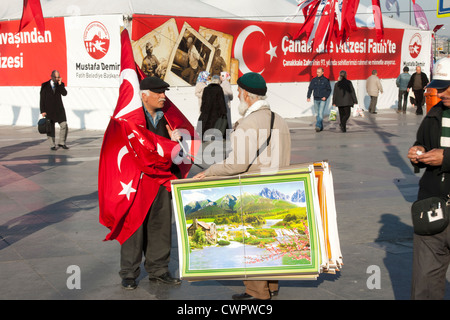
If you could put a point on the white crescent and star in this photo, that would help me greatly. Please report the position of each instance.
(239, 45)
(122, 152)
(127, 189)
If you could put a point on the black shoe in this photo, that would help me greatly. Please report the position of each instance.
(243, 296)
(274, 293)
(53, 148)
(63, 146)
(165, 278)
(129, 284)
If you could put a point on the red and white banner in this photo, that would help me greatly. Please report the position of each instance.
(93, 50)
(86, 50)
(28, 57)
(240, 46)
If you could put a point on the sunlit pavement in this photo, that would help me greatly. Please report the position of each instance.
(49, 227)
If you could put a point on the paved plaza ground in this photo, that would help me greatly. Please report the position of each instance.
(49, 216)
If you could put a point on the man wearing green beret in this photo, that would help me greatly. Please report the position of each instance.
(250, 136)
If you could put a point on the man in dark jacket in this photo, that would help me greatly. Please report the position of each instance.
(322, 89)
(431, 151)
(418, 82)
(153, 238)
(52, 107)
(344, 97)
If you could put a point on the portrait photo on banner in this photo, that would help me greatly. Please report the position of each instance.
(191, 55)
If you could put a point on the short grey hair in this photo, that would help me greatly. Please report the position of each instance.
(146, 91)
(253, 96)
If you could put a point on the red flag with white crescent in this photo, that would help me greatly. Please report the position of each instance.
(134, 162)
(32, 11)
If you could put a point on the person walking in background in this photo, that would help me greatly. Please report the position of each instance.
(373, 88)
(52, 107)
(344, 97)
(431, 150)
(320, 85)
(402, 84)
(418, 82)
(226, 87)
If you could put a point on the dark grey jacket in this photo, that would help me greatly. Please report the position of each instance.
(344, 94)
(436, 179)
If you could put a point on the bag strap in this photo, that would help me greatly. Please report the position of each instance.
(264, 146)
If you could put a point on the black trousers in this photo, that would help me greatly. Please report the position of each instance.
(344, 114)
(431, 258)
(152, 240)
(418, 94)
(402, 96)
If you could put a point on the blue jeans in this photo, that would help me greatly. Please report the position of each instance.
(319, 107)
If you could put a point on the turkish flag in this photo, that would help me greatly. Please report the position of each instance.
(134, 162)
(32, 11)
(348, 14)
(378, 18)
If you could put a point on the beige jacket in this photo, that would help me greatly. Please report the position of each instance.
(250, 133)
(373, 86)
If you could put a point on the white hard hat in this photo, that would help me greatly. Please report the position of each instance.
(441, 74)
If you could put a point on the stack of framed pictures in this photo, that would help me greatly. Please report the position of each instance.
(258, 226)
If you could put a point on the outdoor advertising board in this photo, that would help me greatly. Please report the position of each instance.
(240, 46)
(86, 50)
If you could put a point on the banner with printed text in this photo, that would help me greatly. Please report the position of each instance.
(86, 51)
(93, 50)
(416, 51)
(27, 58)
(178, 48)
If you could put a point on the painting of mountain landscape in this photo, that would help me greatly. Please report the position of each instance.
(247, 225)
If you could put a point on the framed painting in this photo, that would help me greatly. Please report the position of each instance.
(249, 226)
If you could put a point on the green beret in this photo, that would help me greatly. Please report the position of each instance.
(253, 82)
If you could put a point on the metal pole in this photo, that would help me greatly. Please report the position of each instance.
(409, 12)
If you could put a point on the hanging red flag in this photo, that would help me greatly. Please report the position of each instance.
(134, 162)
(436, 28)
(32, 11)
(348, 14)
(327, 20)
(377, 16)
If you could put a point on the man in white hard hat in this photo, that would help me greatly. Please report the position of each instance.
(431, 151)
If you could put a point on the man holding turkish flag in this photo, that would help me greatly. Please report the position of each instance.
(140, 155)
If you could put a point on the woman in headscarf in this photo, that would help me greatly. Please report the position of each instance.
(226, 86)
(202, 81)
(213, 105)
(344, 97)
